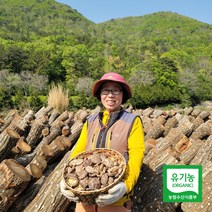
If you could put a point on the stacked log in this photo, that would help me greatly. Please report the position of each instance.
(186, 139)
(13, 180)
(30, 151)
(34, 148)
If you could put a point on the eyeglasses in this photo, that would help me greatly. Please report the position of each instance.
(113, 91)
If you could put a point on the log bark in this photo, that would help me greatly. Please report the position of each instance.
(35, 133)
(204, 154)
(187, 155)
(167, 157)
(65, 130)
(75, 130)
(197, 122)
(8, 140)
(54, 132)
(162, 144)
(148, 196)
(151, 155)
(64, 116)
(188, 111)
(14, 178)
(149, 144)
(49, 197)
(155, 132)
(185, 126)
(70, 119)
(1, 121)
(204, 114)
(26, 120)
(21, 147)
(81, 114)
(173, 137)
(30, 192)
(195, 112)
(205, 205)
(160, 120)
(204, 130)
(147, 112)
(55, 114)
(43, 112)
(183, 144)
(37, 166)
(156, 113)
(147, 124)
(171, 122)
(54, 150)
(8, 119)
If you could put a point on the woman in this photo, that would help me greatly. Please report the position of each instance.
(117, 129)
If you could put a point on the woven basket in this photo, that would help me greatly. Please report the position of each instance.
(88, 197)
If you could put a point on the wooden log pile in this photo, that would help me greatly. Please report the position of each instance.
(34, 148)
(185, 137)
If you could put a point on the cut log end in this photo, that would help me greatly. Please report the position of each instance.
(12, 133)
(17, 169)
(59, 144)
(66, 141)
(23, 146)
(41, 161)
(47, 150)
(1, 121)
(35, 171)
(45, 132)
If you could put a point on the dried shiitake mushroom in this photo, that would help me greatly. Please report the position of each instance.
(94, 171)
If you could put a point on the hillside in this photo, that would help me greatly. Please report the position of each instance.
(25, 19)
(162, 25)
(165, 56)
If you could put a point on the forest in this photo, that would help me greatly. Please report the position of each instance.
(165, 57)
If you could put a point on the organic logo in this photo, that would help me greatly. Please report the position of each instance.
(182, 183)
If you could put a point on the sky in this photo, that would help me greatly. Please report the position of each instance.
(104, 10)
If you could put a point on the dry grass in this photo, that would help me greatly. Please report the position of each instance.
(58, 98)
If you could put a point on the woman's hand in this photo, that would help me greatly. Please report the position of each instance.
(67, 193)
(114, 194)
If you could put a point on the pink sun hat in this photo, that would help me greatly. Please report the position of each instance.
(115, 78)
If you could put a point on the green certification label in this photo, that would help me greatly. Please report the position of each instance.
(182, 183)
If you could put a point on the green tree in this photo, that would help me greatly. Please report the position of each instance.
(16, 57)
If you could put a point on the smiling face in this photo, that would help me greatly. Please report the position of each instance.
(111, 96)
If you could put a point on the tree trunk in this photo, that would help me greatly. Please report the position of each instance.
(187, 155)
(14, 178)
(171, 122)
(205, 205)
(148, 192)
(8, 119)
(8, 140)
(204, 130)
(155, 132)
(35, 133)
(49, 197)
(37, 166)
(197, 122)
(183, 144)
(204, 153)
(43, 112)
(166, 158)
(55, 114)
(185, 126)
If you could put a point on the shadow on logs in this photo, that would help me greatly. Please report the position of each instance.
(148, 192)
